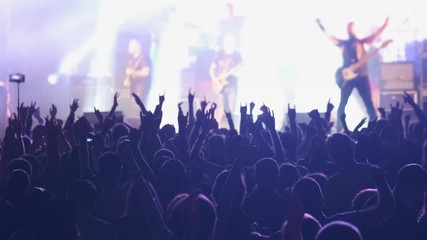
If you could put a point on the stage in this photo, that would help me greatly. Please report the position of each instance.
(79, 49)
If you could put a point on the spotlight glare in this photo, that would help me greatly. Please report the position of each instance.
(52, 79)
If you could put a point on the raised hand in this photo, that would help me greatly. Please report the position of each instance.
(408, 99)
(182, 119)
(360, 124)
(329, 106)
(161, 99)
(382, 112)
(98, 115)
(191, 96)
(243, 109)
(204, 104)
(292, 113)
(397, 111)
(269, 119)
(139, 103)
(115, 100)
(212, 110)
(32, 109)
(53, 111)
(200, 116)
(22, 113)
(251, 107)
(75, 105)
(264, 108)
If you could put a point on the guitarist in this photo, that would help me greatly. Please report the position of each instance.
(138, 70)
(224, 72)
(353, 50)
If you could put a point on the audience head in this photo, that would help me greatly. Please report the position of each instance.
(34, 164)
(320, 178)
(339, 230)
(169, 130)
(18, 184)
(192, 217)
(110, 168)
(171, 179)
(21, 163)
(83, 195)
(266, 173)
(216, 146)
(362, 199)
(308, 191)
(160, 157)
(309, 228)
(118, 131)
(340, 149)
(288, 176)
(219, 185)
(411, 183)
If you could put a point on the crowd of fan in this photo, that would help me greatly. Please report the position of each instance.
(71, 179)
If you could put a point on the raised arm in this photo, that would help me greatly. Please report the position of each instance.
(156, 224)
(418, 111)
(191, 118)
(371, 38)
(270, 121)
(243, 120)
(83, 127)
(115, 105)
(229, 190)
(333, 39)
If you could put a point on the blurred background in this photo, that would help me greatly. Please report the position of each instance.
(79, 49)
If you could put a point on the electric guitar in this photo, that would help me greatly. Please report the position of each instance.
(220, 81)
(346, 74)
(129, 72)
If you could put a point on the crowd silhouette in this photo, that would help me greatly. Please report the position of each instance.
(72, 179)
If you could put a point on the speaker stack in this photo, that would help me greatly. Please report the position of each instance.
(397, 77)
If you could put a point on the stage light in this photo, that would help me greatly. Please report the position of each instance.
(52, 79)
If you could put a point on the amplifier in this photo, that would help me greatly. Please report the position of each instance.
(397, 76)
(392, 97)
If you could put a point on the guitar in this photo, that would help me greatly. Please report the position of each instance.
(130, 71)
(220, 81)
(346, 74)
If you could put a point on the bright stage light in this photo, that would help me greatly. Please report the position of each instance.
(287, 59)
(52, 79)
